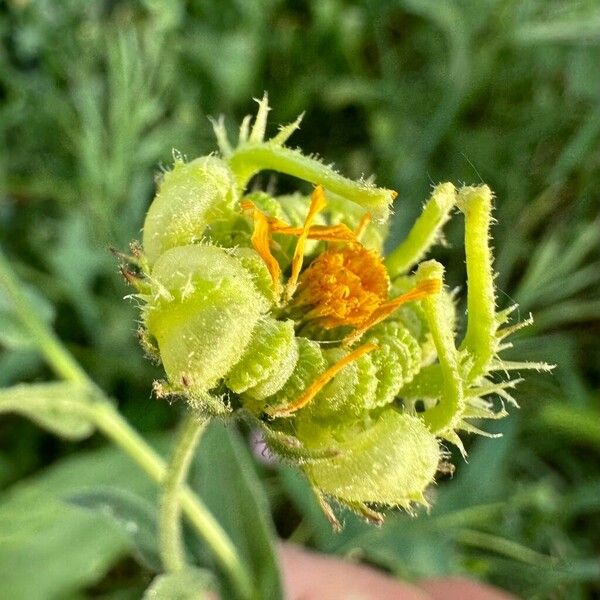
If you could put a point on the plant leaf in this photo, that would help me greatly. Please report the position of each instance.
(12, 334)
(62, 408)
(134, 515)
(49, 549)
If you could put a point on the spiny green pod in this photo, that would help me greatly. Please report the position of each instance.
(283, 311)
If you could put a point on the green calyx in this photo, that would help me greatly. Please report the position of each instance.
(364, 407)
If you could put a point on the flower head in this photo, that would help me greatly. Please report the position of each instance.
(343, 286)
(250, 316)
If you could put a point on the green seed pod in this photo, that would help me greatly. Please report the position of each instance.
(191, 197)
(391, 462)
(201, 312)
(311, 364)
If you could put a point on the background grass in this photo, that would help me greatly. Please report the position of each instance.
(94, 96)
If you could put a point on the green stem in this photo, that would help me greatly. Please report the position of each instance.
(110, 422)
(51, 347)
(172, 548)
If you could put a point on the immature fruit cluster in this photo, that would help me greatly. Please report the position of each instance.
(281, 309)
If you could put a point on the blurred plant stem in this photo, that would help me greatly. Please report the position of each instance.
(61, 361)
(110, 422)
(172, 548)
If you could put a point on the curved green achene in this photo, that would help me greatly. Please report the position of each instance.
(265, 359)
(190, 197)
(202, 310)
(425, 232)
(349, 395)
(311, 363)
(397, 359)
(281, 370)
(480, 339)
(391, 462)
(443, 416)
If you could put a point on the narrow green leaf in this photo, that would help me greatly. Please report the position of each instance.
(61, 408)
(580, 424)
(12, 333)
(559, 580)
(504, 547)
(133, 514)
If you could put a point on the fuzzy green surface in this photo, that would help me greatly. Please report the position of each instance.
(391, 462)
(190, 197)
(202, 312)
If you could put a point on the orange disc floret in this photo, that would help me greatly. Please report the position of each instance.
(343, 286)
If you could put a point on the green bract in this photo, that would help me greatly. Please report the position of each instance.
(351, 368)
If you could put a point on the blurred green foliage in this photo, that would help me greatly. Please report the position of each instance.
(94, 96)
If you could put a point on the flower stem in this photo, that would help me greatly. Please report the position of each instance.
(172, 548)
(110, 422)
(59, 358)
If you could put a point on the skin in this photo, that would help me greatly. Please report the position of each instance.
(311, 576)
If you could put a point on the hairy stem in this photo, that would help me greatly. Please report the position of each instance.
(59, 358)
(110, 422)
(172, 548)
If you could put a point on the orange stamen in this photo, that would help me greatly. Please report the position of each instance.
(343, 286)
(325, 233)
(318, 384)
(424, 288)
(317, 203)
(248, 207)
(362, 225)
(265, 226)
